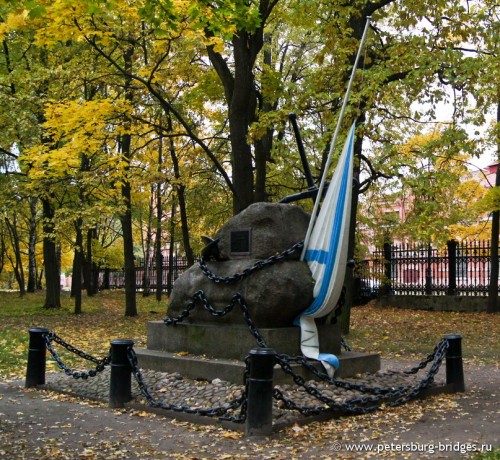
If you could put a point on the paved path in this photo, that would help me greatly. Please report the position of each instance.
(38, 425)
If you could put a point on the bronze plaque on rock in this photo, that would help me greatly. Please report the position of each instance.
(240, 242)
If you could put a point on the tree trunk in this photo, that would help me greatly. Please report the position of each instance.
(159, 217)
(241, 97)
(17, 261)
(170, 273)
(52, 276)
(32, 284)
(128, 252)
(181, 196)
(128, 239)
(495, 229)
(95, 277)
(76, 281)
(105, 278)
(264, 145)
(126, 217)
(3, 251)
(240, 117)
(88, 265)
(148, 259)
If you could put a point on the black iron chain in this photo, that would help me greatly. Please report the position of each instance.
(220, 411)
(437, 360)
(389, 396)
(248, 271)
(246, 376)
(354, 406)
(424, 362)
(100, 363)
(344, 344)
(261, 342)
(237, 299)
(323, 376)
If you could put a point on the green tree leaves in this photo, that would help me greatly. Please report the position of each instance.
(76, 76)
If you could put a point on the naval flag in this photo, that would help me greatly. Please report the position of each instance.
(326, 254)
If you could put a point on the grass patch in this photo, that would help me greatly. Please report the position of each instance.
(406, 333)
(395, 333)
(92, 331)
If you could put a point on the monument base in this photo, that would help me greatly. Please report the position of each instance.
(207, 351)
(203, 368)
(230, 341)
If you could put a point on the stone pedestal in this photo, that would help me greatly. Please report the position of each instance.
(207, 351)
(234, 341)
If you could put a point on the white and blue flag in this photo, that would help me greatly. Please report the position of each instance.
(326, 254)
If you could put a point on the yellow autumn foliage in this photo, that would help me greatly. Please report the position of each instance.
(76, 128)
(17, 19)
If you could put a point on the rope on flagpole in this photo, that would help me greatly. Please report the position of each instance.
(334, 142)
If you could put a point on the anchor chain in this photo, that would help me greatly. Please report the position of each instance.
(248, 271)
(220, 411)
(100, 363)
(362, 405)
(334, 381)
(425, 361)
(438, 356)
(392, 396)
(237, 299)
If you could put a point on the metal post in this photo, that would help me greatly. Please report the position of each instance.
(35, 370)
(428, 271)
(452, 267)
(120, 384)
(386, 287)
(259, 421)
(454, 365)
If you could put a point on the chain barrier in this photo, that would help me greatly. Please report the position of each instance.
(248, 271)
(392, 396)
(361, 405)
(100, 363)
(220, 411)
(437, 360)
(425, 361)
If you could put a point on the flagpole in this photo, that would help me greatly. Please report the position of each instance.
(334, 141)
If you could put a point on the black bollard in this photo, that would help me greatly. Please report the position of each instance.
(120, 383)
(454, 365)
(35, 370)
(259, 420)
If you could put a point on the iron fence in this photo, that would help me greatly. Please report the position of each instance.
(171, 269)
(459, 268)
